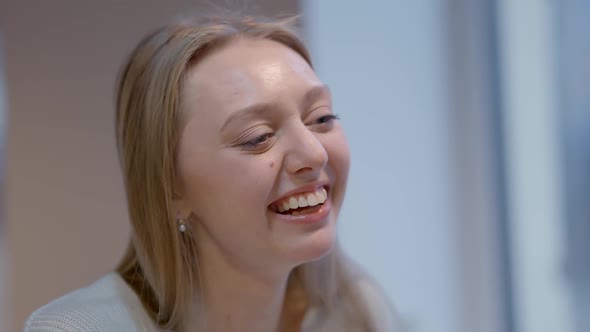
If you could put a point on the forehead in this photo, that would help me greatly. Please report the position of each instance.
(243, 73)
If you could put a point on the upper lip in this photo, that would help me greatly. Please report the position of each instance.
(303, 189)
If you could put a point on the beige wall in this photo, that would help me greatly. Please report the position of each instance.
(65, 205)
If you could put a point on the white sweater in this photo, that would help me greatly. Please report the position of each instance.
(110, 304)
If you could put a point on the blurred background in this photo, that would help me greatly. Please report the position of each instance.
(468, 120)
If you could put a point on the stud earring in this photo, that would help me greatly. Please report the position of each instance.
(181, 224)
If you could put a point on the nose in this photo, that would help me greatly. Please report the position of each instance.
(306, 155)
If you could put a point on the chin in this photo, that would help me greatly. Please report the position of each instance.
(314, 245)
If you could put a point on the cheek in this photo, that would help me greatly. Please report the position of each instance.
(338, 166)
(230, 185)
(339, 155)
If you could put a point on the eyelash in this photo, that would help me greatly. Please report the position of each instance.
(260, 140)
(328, 118)
(253, 143)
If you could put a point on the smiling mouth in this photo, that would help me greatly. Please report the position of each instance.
(303, 203)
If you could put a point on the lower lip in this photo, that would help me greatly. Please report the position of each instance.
(308, 218)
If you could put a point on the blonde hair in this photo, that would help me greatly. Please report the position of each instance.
(161, 263)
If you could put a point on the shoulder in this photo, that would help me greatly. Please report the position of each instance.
(379, 309)
(106, 305)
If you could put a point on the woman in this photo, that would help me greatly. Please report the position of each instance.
(235, 168)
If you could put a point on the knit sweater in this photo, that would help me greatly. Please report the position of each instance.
(109, 304)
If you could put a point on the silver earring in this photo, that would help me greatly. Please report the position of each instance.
(181, 225)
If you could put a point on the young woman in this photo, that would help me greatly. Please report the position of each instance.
(235, 167)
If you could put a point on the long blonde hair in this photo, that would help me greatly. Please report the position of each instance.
(161, 263)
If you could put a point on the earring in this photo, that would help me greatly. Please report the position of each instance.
(181, 224)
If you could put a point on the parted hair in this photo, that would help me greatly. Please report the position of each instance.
(161, 264)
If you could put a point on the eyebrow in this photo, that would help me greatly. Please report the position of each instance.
(262, 109)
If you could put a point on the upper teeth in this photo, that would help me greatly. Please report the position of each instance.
(302, 200)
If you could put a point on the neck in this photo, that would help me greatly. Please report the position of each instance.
(236, 299)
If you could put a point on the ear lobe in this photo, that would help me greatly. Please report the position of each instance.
(180, 207)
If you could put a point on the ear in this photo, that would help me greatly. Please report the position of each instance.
(180, 203)
(180, 207)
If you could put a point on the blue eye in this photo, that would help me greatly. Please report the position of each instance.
(256, 142)
(327, 119)
(324, 123)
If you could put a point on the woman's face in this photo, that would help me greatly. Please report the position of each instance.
(259, 137)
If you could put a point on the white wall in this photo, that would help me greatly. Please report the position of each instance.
(536, 210)
(385, 64)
